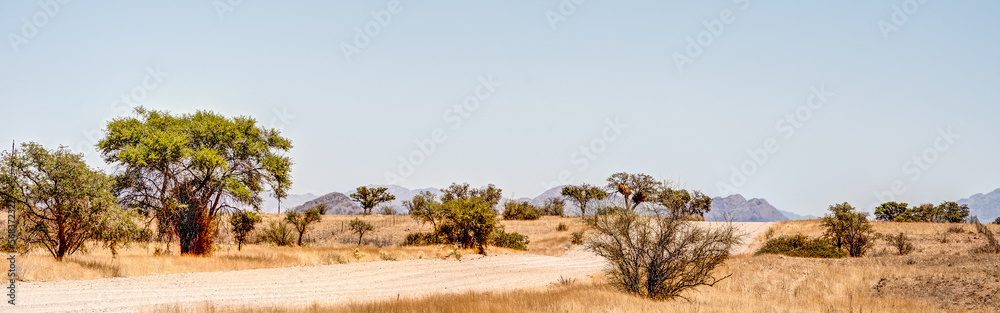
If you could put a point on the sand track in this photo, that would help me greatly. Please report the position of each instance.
(306, 285)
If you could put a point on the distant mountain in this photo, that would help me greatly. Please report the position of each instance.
(336, 203)
(271, 204)
(743, 210)
(795, 217)
(548, 194)
(985, 206)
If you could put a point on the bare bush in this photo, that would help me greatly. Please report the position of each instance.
(901, 242)
(661, 255)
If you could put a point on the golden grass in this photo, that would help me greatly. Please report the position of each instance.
(940, 276)
(328, 242)
(758, 284)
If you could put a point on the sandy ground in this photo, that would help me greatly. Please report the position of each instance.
(311, 284)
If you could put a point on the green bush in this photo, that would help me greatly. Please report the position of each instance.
(576, 238)
(509, 240)
(801, 246)
(554, 207)
(901, 242)
(562, 227)
(422, 239)
(520, 210)
(278, 233)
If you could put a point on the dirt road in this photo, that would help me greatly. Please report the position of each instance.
(306, 285)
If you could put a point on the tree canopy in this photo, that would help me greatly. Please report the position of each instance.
(369, 198)
(61, 202)
(185, 169)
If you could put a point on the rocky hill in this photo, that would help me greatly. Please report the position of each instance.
(985, 206)
(336, 203)
(743, 210)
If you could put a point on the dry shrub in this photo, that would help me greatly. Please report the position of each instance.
(901, 242)
(659, 256)
(801, 246)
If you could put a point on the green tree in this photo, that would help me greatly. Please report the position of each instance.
(360, 227)
(951, 212)
(583, 194)
(491, 194)
(243, 223)
(849, 228)
(520, 210)
(634, 188)
(425, 208)
(187, 169)
(62, 202)
(469, 222)
(891, 211)
(683, 203)
(369, 198)
(302, 221)
(554, 207)
(924, 213)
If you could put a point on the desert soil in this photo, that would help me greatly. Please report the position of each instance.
(318, 284)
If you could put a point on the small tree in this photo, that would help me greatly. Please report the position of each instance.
(684, 203)
(425, 207)
(369, 198)
(360, 227)
(952, 212)
(468, 223)
(491, 194)
(301, 221)
(583, 194)
(277, 233)
(520, 210)
(891, 211)
(634, 188)
(849, 229)
(901, 242)
(243, 223)
(62, 202)
(554, 207)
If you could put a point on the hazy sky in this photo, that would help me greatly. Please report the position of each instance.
(834, 98)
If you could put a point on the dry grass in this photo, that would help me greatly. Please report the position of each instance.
(938, 277)
(758, 284)
(328, 242)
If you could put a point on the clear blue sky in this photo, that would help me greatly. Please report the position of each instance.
(888, 96)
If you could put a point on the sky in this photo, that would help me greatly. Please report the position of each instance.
(803, 103)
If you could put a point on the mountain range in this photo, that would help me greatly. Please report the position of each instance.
(984, 206)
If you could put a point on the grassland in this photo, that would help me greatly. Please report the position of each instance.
(941, 275)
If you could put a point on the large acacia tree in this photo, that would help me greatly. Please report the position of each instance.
(187, 169)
